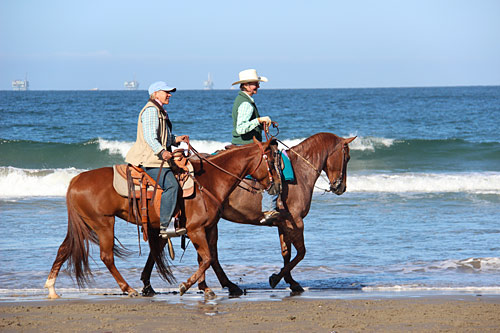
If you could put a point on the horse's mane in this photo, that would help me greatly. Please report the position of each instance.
(220, 156)
(320, 141)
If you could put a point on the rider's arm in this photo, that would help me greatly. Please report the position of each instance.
(150, 125)
(243, 122)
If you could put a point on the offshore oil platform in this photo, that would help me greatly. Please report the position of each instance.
(21, 85)
(131, 85)
(208, 84)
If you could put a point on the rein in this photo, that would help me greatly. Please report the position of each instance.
(253, 188)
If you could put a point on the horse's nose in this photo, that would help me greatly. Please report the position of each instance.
(339, 188)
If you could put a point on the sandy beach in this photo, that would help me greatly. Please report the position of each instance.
(294, 314)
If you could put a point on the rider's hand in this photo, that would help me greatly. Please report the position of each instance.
(166, 155)
(265, 120)
(182, 138)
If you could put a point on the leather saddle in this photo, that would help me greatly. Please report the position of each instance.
(126, 177)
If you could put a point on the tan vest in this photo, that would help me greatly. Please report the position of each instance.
(141, 153)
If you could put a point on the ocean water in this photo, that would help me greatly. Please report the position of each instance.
(421, 211)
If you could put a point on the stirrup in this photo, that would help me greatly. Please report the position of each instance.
(171, 231)
(269, 217)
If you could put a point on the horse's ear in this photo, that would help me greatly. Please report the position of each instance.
(255, 140)
(349, 140)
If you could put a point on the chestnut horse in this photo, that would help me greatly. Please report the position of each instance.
(93, 203)
(320, 152)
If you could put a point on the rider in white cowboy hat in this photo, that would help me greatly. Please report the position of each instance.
(247, 123)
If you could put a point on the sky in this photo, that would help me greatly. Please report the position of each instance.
(80, 45)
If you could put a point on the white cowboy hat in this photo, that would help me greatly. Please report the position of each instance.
(250, 75)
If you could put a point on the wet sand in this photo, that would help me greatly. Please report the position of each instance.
(294, 314)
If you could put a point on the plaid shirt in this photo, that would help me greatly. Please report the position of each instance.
(150, 125)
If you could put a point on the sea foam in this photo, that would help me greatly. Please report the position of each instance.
(16, 182)
(473, 182)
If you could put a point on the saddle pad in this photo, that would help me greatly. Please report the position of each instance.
(120, 183)
(121, 187)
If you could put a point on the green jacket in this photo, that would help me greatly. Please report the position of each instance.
(257, 131)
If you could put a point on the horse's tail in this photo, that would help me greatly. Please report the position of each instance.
(75, 247)
(158, 254)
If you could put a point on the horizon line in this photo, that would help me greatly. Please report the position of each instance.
(262, 88)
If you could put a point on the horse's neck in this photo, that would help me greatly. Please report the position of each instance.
(238, 163)
(308, 172)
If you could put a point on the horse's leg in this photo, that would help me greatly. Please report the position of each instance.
(298, 243)
(199, 239)
(147, 290)
(202, 284)
(106, 245)
(234, 290)
(62, 256)
(294, 236)
(213, 238)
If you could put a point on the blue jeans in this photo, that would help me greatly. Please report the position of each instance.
(170, 187)
(269, 201)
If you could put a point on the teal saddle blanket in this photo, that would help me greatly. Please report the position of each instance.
(287, 171)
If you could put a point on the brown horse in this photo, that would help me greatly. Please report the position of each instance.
(93, 204)
(320, 152)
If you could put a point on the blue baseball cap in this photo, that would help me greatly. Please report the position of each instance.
(160, 85)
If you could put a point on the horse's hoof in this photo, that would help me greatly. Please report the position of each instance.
(148, 291)
(133, 293)
(209, 294)
(235, 291)
(274, 280)
(297, 289)
(182, 288)
(54, 296)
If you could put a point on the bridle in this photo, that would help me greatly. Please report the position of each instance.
(334, 185)
(338, 182)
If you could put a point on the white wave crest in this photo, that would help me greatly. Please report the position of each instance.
(473, 182)
(210, 146)
(122, 147)
(15, 182)
(469, 265)
(361, 143)
(370, 143)
(115, 147)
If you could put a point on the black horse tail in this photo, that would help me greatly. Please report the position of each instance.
(156, 246)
